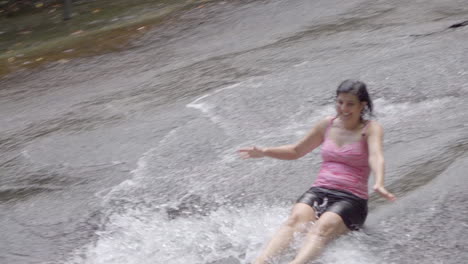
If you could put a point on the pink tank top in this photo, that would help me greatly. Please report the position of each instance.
(345, 168)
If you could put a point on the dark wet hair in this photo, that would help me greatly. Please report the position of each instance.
(359, 89)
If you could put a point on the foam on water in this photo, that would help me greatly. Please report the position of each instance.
(142, 230)
(202, 103)
(148, 235)
(404, 110)
(138, 175)
(350, 249)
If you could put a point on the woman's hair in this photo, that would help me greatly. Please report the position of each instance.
(359, 89)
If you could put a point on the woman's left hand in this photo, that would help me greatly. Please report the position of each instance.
(384, 193)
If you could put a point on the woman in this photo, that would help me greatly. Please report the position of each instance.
(337, 201)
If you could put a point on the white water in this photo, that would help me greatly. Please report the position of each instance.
(182, 105)
(137, 227)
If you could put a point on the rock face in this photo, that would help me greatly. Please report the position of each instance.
(461, 24)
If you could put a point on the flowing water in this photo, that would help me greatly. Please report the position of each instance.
(130, 157)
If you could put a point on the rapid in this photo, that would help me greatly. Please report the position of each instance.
(130, 157)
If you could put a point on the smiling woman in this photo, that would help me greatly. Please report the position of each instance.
(353, 96)
(337, 201)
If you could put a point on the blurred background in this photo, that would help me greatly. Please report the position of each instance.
(120, 125)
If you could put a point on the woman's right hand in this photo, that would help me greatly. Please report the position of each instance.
(252, 152)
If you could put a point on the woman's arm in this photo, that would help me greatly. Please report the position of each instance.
(290, 152)
(376, 159)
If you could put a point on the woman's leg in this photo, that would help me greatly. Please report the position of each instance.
(329, 226)
(301, 214)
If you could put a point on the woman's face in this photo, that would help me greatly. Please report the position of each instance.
(348, 107)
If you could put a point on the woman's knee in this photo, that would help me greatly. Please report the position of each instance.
(322, 230)
(294, 220)
(329, 226)
(300, 216)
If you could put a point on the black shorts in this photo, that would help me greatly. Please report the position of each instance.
(351, 208)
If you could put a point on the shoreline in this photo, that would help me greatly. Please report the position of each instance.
(85, 43)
